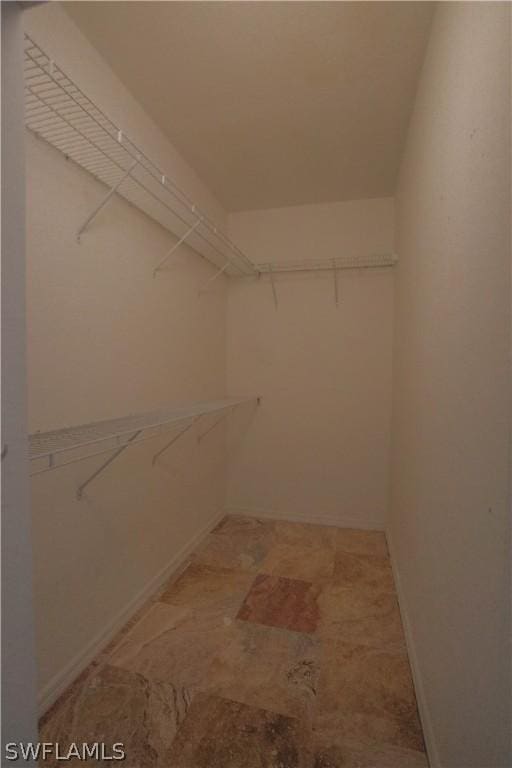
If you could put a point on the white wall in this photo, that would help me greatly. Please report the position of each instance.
(318, 446)
(107, 339)
(19, 711)
(450, 504)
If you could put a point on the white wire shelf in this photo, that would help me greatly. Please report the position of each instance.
(45, 444)
(340, 262)
(58, 448)
(333, 265)
(59, 112)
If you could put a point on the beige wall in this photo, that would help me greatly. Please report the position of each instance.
(318, 446)
(107, 339)
(449, 521)
(53, 30)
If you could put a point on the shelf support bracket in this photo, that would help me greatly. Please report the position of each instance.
(186, 428)
(207, 431)
(214, 277)
(273, 284)
(106, 463)
(335, 275)
(176, 246)
(105, 200)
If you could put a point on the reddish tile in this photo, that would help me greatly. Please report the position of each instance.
(279, 602)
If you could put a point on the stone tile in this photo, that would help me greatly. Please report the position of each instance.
(361, 616)
(270, 668)
(202, 587)
(299, 562)
(331, 753)
(241, 525)
(115, 705)
(361, 542)
(313, 674)
(370, 571)
(367, 696)
(237, 552)
(280, 602)
(219, 733)
(301, 551)
(305, 534)
(172, 643)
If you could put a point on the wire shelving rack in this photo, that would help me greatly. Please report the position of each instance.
(59, 112)
(61, 447)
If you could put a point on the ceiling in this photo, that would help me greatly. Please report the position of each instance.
(273, 104)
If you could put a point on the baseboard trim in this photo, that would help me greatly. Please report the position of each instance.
(424, 711)
(319, 518)
(58, 684)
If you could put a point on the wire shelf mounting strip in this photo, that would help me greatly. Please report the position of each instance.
(59, 112)
(60, 447)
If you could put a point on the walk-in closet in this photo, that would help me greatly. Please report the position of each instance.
(256, 333)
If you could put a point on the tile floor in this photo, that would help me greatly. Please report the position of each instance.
(279, 646)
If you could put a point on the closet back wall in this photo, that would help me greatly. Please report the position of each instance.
(318, 449)
(107, 339)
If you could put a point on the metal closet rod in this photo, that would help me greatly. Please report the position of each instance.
(149, 165)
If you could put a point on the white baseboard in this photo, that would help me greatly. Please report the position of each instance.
(318, 518)
(424, 711)
(58, 684)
